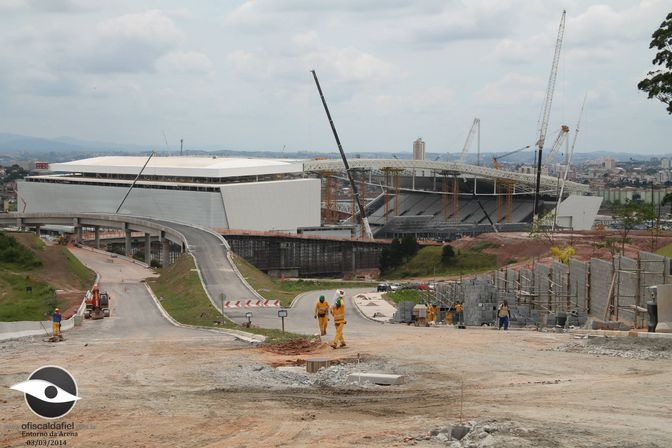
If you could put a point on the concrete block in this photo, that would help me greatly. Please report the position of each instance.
(383, 379)
(664, 299)
(315, 364)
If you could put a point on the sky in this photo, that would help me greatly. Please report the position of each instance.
(236, 74)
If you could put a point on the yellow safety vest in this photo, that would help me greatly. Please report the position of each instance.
(322, 308)
(339, 313)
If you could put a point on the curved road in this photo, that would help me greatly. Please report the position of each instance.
(134, 313)
(220, 277)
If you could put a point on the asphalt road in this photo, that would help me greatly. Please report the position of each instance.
(220, 277)
(134, 313)
(216, 271)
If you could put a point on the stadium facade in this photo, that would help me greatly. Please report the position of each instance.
(431, 199)
(228, 193)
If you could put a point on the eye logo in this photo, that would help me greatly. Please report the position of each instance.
(50, 392)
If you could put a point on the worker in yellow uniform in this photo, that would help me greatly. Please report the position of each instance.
(322, 314)
(338, 311)
(459, 310)
(56, 322)
(431, 315)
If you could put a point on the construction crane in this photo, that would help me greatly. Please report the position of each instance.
(546, 111)
(569, 162)
(362, 213)
(495, 159)
(557, 143)
(475, 130)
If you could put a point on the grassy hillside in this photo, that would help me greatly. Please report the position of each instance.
(286, 290)
(182, 295)
(27, 263)
(665, 250)
(427, 263)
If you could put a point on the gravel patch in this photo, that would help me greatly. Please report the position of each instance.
(266, 377)
(621, 347)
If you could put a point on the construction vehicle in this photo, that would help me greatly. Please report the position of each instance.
(97, 304)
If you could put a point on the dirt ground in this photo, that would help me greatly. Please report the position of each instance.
(195, 391)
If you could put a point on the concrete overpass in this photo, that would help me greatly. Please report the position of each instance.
(97, 221)
(211, 252)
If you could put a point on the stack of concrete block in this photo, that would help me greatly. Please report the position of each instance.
(404, 312)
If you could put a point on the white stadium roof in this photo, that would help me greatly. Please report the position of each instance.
(187, 166)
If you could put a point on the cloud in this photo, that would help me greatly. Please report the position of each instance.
(128, 43)
(513, 89)
(40, 6)
(427, 101)
(344, 64)
(306, 39)
(185, 62)
(44, 83)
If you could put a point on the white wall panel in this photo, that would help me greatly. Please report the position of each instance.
(194, 207)
(279, 205)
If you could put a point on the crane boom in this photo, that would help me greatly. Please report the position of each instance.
(569, 161)
(496, 159)
(557, 143)
(476, 126)
(546, 111)
(353, 185)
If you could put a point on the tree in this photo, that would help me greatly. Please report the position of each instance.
(447, 254)
(632, 215)
(658, 83)
(409, 246)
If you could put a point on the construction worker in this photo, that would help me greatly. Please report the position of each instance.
(459, 310)
(431, 313)
(56, 322)
(503, 313)
(322, 313)
(338, 311)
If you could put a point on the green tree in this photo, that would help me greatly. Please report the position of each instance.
(632, 215)
(391, 256)
(409, 247)
(447, 254)
(658, 83)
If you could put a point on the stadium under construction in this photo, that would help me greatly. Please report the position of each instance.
(429, 199)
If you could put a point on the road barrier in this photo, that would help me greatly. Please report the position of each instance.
(251, 303)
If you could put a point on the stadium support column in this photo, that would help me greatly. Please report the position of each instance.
(79, 234)
(148, 248)
(127, 241)
(96, 232)
(165, 252)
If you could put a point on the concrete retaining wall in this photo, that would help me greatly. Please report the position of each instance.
(601, 273)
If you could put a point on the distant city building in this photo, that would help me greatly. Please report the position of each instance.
(609, 163)
(665, 164)
(419, 149)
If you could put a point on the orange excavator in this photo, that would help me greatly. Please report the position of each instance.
(97, 304)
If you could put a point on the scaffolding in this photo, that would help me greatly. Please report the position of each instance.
(329, 208)
(391, 185)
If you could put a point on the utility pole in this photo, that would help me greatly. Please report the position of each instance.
(181, 144)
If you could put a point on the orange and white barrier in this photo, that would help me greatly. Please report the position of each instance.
(251, 303)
